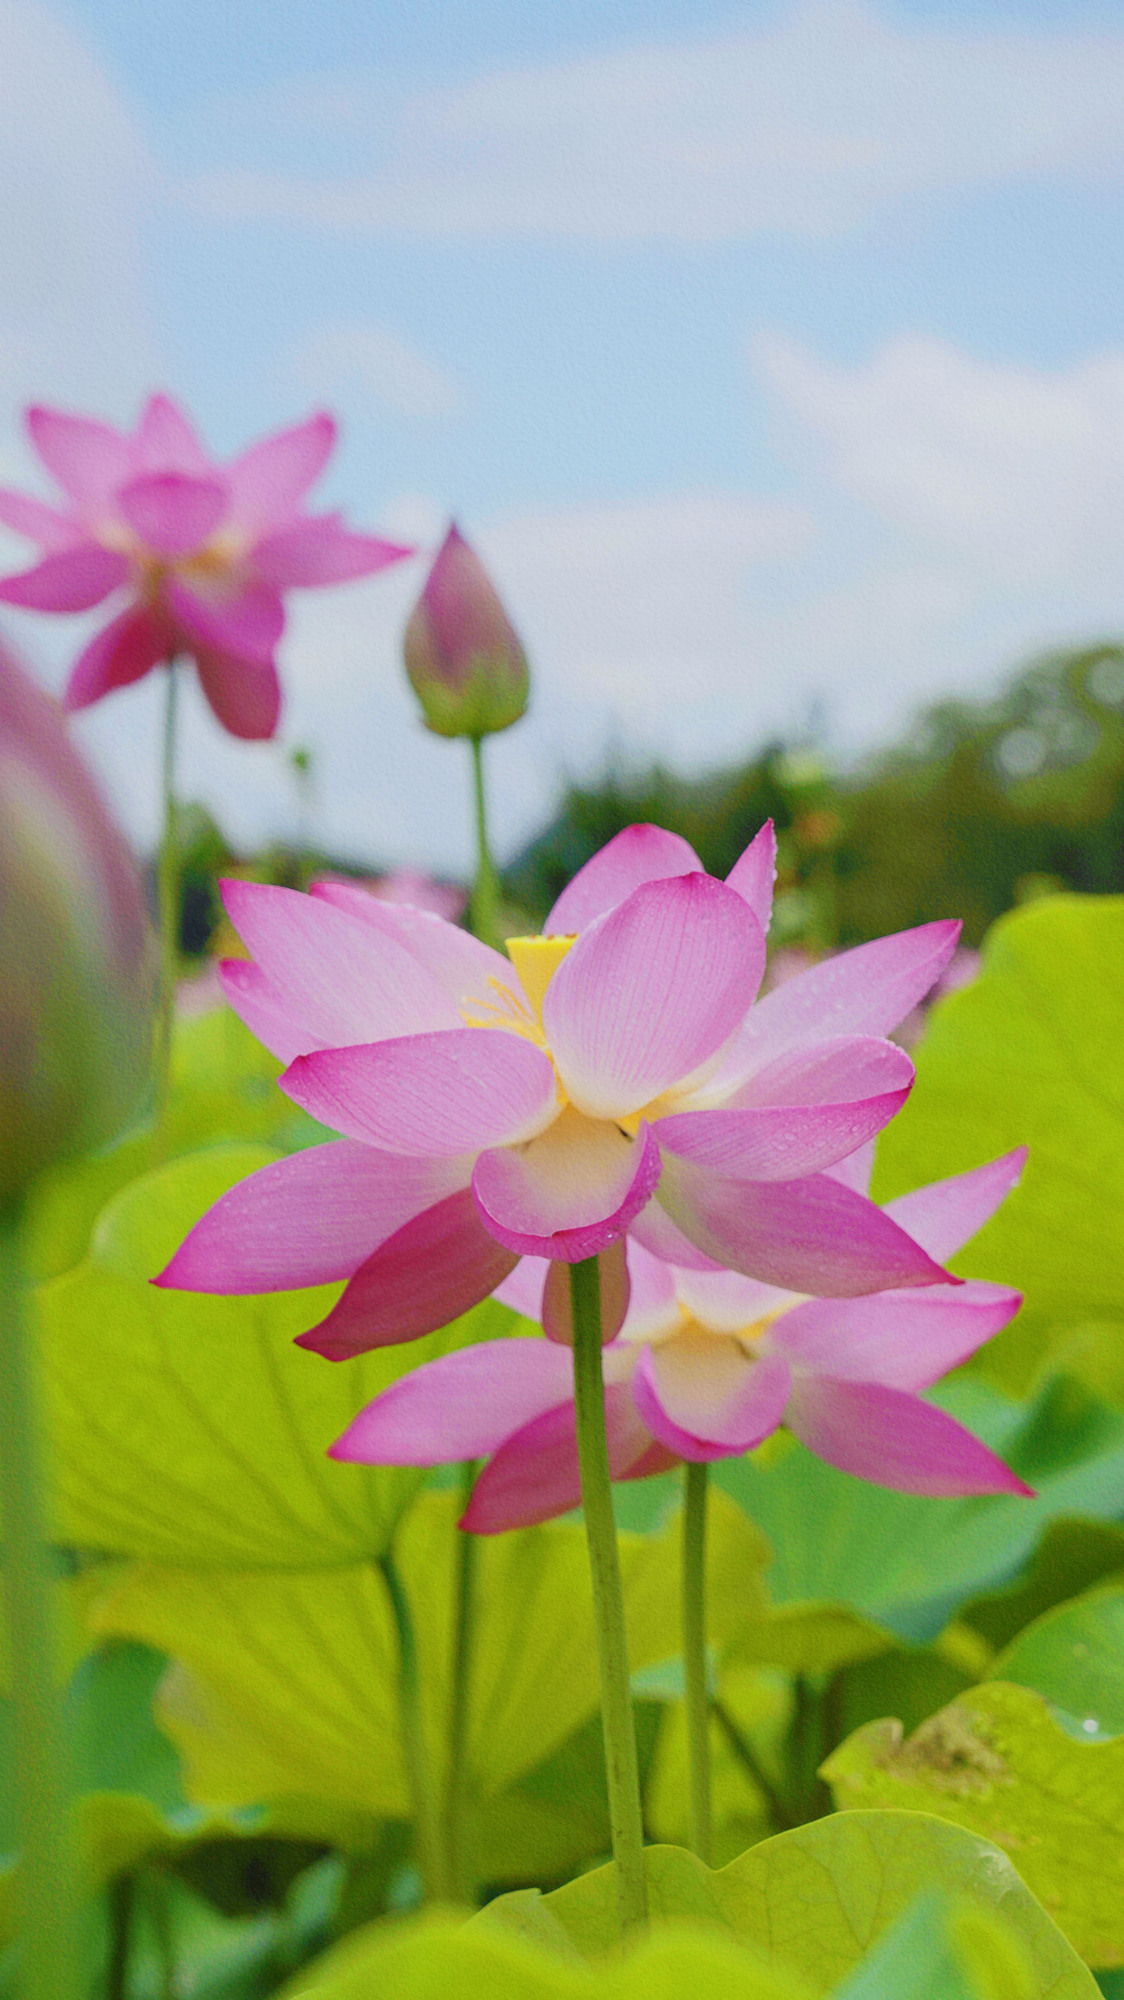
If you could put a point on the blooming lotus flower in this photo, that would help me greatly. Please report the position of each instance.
(614, 1075)
(201, 552)
(464, 658)
(707, 1363)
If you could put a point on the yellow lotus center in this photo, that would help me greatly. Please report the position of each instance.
(745, 1337)
(536, 960)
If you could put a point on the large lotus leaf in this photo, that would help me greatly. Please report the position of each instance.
(189, 1429)
(223, 1088)
(287, 1679)
(905, 1560)
(438, 1959)
(996, 1762)
(1032, 1053)
(818, 1897)
(1074, 1656)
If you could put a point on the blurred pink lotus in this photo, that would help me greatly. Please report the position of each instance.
(411, 886)
(202, 551)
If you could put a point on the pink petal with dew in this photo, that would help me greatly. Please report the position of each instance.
(247, 622)
(522, 1289)
(89, 460)
(634, 856)
(268, 482)
(464, 1405)
(165, 442)
(754, 875)
(613, 1295)
(310, 1219)
(73, 579)
(656, 1233)
(905, 1340)
(894, 1440)
(41, 524)
(855, 1171)
(837, 1070)
(947, 1214)
(123, 651)
(704, 1399)
(438, 1094)
(811, 1235)
(727, 1302)
(865, 991)
(463, 966)
(571, 1192)
(172, 513)
(340, 982)
(321, 550)
(433, 1269)
(653, 1308)
(535, 1476)
(650, 990)
(243, 696)
(778, 1142)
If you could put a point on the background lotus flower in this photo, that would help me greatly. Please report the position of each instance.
(76, 957)
(464, 658)
(611, 1076)
(706, 1365)
(201, 552)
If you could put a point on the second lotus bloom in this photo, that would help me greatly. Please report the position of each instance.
(616, 1075)
(200, 553)
(706, 1365)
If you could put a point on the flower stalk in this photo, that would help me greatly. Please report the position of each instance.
(419, 1772)
(693, 1588)
(484, 906)
(48, 1964)
(618, 1725)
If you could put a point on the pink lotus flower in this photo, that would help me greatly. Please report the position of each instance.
(613, 1075)
(707, 1364)
(202, 551)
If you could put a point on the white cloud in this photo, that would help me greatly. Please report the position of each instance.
(344, 359)
(74, 182)
(1017, 472)
(811, 126)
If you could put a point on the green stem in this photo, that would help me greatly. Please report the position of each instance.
(419, 1772)
(163, 1932)
(48, 1928)
(463, 1616)
(617, 1722)
(168, 896)
(484, 905)
(693, 1575)
(122, 1898)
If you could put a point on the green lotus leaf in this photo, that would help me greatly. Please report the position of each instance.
(818, 1898)
(998, 1764)
(1032, 1054)
(189, 1429)
(286, 1680)
(1074, 1656)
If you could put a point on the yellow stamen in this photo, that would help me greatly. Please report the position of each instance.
(536, 960)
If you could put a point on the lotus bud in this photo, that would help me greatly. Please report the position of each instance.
(76, 960)
(463, 655)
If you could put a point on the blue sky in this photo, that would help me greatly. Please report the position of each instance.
(771, 354)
